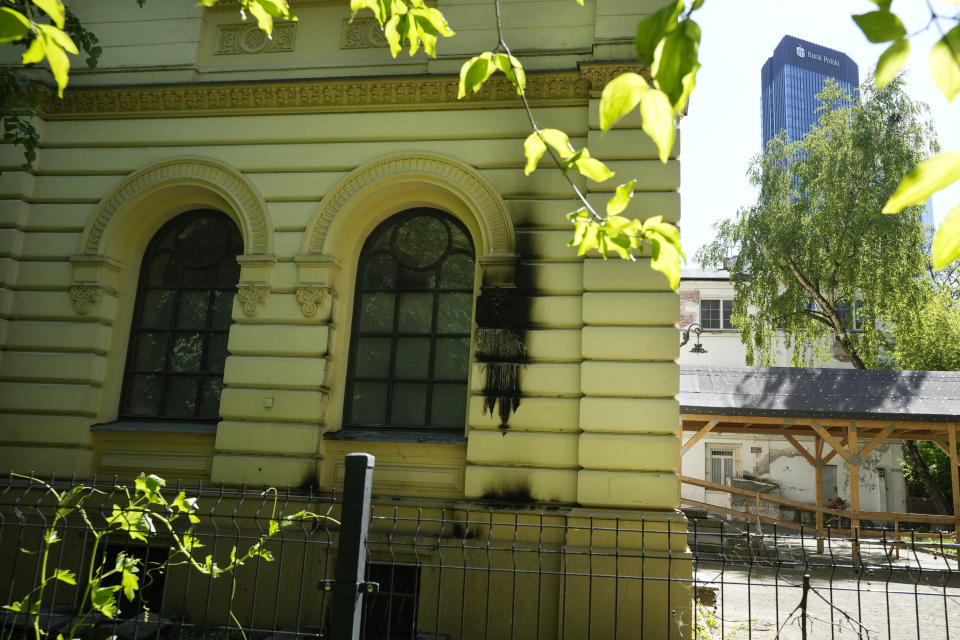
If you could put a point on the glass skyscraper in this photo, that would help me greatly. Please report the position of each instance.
(792, 77)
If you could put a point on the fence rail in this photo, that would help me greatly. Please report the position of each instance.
(465, 571)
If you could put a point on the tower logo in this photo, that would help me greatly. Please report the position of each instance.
(800, 52)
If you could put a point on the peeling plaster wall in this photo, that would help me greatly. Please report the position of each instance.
(777, 461)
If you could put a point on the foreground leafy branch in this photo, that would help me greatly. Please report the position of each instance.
(145, 516)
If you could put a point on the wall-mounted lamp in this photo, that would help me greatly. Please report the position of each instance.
(697, 330)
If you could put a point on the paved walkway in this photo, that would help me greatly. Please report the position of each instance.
(891, 604)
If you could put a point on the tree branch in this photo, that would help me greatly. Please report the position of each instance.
(828, 310)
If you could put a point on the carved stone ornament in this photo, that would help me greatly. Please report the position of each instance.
(247, 37)
(310, 298)
(362, 33)
(84, 296)
(252, 296)
(334, 95)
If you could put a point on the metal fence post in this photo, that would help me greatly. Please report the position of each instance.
(349, 586)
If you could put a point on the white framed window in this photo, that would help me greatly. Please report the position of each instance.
(715, 314)
(723, 462)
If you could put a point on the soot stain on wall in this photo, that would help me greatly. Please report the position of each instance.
(502, 316)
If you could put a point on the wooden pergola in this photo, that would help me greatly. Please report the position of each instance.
(847, 413)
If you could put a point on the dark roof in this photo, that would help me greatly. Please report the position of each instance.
(932, 396)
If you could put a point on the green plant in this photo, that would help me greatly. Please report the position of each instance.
(146, 516)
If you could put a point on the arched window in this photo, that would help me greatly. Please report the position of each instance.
(178, 339)
(410, 342)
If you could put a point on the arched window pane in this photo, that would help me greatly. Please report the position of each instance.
(410, 346)
(182, 315)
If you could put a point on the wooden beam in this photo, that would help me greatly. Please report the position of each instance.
(873, 444)
(818, 474)
(826, 422)
(799, 447)
(823, 433)
(818, 447)
(698, 436)
(954, 483)
(854, 468)
(830, 455)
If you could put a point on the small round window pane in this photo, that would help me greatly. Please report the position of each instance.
(373, 357)
(453, 313)
(457, 272)
(413, 358)
(416, 313)
(376, 312)
(409, 405)
(369, 402)
(420, 241)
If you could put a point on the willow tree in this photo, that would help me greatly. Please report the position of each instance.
(813, 249)
(820, 269)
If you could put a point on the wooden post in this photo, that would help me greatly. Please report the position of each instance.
(818, 474)
(954, 484)
(853, 466)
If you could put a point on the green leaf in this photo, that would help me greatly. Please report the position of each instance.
(183, 504)
(620, 97)
(560, 142)
(150, 486)
(35, 52)
(591, 167)
(675, 59)
(946, 244)
(927, 177)
(880, 26)
(658, 121)
(64, 576)
(475, 72)
(54, 9)
(665, 259)
(944, 62)
(653, 28)
(621, 198)
(130, 582)
(533, 149)
(377, 7)
(104, 599)
(264, 19)
(27, 605)
(512, 68)
(191, 542)
(13, 25)
(891, 61)
(51, 536)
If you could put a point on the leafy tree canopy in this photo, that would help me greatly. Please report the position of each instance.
(813, 248)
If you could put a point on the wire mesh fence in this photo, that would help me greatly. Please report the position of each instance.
(455, 571)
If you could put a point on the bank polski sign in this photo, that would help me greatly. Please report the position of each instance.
(803, 53)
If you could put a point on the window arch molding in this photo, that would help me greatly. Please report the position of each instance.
(169, 188)
(406, 181)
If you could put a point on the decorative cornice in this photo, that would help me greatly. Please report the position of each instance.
(84, 296)
(388, 93)
(311, 297)
(251, 296)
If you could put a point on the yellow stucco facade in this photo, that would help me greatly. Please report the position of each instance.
(308, 142)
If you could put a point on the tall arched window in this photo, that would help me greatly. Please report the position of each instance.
(178, 338)
(410, 342)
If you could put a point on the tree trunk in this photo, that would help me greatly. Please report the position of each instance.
(934, 492)
(910, 450)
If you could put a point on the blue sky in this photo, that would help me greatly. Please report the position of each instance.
(721, 133)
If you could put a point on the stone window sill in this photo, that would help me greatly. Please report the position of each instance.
(420, 436)
(146, 425)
